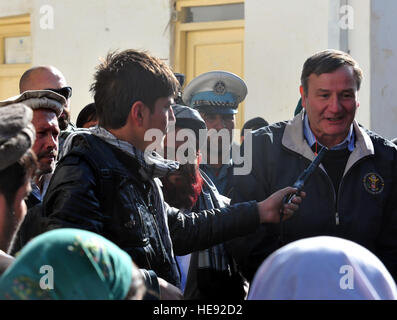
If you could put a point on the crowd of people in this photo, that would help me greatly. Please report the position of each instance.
(143, 198)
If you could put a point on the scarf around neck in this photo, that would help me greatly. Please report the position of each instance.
(152, 166)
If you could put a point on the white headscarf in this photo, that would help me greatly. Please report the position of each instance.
(322, 268)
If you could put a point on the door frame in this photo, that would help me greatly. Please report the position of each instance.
(13, 26)
(181, 29)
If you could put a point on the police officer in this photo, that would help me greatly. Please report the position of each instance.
(217, 95)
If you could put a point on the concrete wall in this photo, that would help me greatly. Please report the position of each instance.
(349, 30)
(83, 31)
(359, 46)
(15, 7)
(279, 36)
(384, 67)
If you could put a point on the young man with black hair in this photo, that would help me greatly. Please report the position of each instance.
(108, 181)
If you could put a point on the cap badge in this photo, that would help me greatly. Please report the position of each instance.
(220, 88)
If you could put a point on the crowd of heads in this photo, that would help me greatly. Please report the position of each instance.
(128, 85)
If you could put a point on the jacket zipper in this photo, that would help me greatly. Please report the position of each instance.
(334, 195)
(153, 211)
(340, 188)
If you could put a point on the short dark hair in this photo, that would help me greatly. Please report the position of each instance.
(126, 77)
(87, 114)
(15, 175)
(328, 61)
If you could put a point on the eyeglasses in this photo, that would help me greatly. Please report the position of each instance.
(65, 91)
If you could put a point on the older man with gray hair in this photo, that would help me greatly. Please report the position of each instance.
(47, 106)
(351, 195)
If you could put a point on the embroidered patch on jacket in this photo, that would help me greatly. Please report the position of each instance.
(373, 183)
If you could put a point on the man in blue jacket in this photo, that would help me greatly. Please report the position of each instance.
(351, 195)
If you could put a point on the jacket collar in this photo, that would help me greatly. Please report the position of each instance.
(294, 140)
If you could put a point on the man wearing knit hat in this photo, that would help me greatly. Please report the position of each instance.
(47, 106)
(210, 273)
(50, 78)
(17, 164)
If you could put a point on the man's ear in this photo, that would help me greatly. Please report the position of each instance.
(303, 96)
(138, 113)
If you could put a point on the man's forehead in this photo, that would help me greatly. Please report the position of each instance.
(46, 115)
(341, 77)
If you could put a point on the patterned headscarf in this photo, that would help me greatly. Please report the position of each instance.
(70, 264)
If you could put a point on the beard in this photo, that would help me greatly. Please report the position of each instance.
(184, 191)
(45, 167)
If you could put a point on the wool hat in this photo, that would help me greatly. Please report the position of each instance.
(17, 133)
(188, 118)
(39, 99)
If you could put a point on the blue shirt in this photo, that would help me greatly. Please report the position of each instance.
(224, 174)
(311, 139)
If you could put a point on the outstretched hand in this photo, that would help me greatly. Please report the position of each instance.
(270, 208)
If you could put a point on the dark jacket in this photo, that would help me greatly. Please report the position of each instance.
(366, 210)
(97, 187)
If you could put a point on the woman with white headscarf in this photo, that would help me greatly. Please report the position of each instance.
(322, 268)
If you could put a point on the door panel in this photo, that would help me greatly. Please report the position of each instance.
(209, 50)
(9, 79)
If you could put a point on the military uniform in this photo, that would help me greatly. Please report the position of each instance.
(217, 93)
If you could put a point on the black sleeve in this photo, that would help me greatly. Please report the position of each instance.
(386, 245)
(71, 200)
(151, 284)
(197, 231)
(31, 227)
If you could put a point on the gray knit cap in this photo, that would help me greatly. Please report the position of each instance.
(17, 133)
(187, 117)
(39, 99)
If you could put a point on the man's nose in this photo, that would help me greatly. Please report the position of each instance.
(52, 142)
(219, 123)
(335, 105)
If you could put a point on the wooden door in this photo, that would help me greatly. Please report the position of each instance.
(212, 45)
